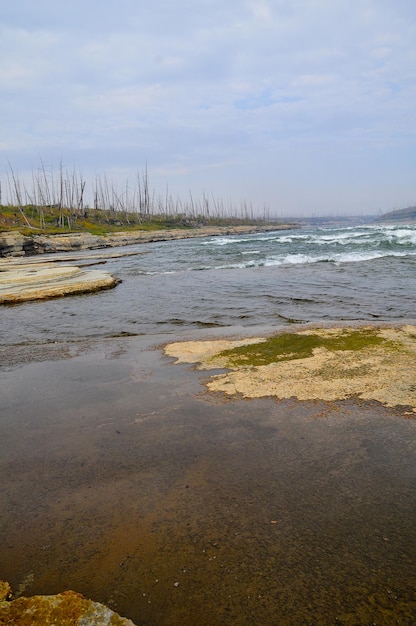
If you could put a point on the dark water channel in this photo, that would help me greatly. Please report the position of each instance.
(122, 479)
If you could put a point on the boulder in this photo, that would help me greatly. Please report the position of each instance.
(66, 609)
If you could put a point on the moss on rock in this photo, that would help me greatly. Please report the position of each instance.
(290, 346)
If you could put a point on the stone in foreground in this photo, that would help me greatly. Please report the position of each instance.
(66, 609)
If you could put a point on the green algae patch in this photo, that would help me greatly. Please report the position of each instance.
(290, 346)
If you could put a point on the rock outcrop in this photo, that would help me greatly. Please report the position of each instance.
(19, 283)
(66, 609)
(16, 244)
(12, 244)
(330, 364)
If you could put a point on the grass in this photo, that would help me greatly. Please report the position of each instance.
(290, 346)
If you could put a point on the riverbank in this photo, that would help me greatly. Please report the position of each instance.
(25, 277)
(14, 244)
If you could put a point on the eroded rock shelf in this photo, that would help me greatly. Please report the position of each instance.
(39, 281)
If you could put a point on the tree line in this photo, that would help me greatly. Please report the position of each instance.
(64, 198)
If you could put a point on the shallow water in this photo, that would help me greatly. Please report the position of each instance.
(124, 480)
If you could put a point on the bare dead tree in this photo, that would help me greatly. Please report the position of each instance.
(19, 196)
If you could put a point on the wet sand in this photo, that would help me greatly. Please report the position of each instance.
(122, 478)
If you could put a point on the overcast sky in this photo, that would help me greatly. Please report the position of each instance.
(308, 106)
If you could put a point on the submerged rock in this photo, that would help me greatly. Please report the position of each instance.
(66, 609)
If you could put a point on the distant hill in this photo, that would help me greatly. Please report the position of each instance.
(400, 215)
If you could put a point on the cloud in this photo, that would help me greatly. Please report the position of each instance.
(216, 95)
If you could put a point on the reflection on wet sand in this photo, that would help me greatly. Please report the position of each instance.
(123, 480)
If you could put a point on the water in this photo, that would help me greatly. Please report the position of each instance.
(123, 479)
(271, 279)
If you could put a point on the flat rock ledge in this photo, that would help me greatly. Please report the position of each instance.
(20, 283)
(66, 609)
(14, 244)
(383, 372)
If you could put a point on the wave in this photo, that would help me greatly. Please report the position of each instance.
(290, 259)
(402, 237)
(323, 245)
(355, 257)
(363, 236)
(223, 241)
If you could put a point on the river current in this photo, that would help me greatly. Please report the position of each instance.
(304, 275)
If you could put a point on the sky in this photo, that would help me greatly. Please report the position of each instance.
(307, 107)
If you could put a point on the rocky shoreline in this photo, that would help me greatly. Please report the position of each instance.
(15, 244)
(24, 277)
